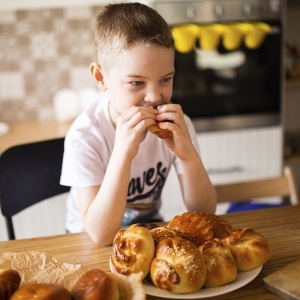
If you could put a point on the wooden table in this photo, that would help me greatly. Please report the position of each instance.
(33, 131)
(281, 226)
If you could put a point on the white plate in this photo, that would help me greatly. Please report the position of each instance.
(242, 279)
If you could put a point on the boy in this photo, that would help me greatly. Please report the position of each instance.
(115, 166)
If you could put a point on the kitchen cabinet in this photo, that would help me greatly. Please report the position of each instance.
(229, 156)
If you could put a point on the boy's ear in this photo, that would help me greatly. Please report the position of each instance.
(97, 74)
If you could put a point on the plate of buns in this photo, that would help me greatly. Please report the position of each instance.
(241, 280)
(195, 255)
(94, 284)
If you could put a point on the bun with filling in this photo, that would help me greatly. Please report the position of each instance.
(249, 248)
(133, 250)
(199, 227)
(161, 133)
(221, 266)
(42, 291)
(9, 282)
(178, 266)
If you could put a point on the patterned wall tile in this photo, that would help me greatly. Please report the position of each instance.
(43, 51)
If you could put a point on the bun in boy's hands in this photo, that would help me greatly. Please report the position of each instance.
(161, 133)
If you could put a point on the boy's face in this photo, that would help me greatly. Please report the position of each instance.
(140, 76)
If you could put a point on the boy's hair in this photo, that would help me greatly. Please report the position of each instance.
(120, 26)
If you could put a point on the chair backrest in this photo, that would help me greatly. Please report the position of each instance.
(282, 186)
(29, 174)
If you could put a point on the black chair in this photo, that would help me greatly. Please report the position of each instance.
(29, 174)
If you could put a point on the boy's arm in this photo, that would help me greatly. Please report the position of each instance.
(198, 192)
(102, 208)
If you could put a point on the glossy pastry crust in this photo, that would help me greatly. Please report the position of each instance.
(42, 291)
(133, 250)
(249, 248)
(9, 282)
(95, 284)
(221, 266)
(161, 133)
(162, 232)
(199, 227)
(178, 266)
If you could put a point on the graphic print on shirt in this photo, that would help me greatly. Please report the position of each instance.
(139, 188)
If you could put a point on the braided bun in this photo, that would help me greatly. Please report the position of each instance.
(199, 227)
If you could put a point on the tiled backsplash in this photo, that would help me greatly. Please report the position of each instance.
(41, 52)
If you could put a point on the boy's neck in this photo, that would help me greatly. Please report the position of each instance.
(110, 116)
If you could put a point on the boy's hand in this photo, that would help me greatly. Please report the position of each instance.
(131, 129)
(180, 142)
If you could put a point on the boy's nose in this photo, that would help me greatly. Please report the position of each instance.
(153, 95)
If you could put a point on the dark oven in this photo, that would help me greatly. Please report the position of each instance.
(228, 62)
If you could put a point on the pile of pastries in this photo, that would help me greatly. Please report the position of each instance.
(94, 284)
(193, 251)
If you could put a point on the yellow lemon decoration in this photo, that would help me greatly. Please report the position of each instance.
(210, 36)
(254, 33)
(232, 37)
(185, 37)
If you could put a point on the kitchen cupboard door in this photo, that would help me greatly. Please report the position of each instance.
(242, 154)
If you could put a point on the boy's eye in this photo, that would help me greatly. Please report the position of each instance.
(137, 82)
(167, 79)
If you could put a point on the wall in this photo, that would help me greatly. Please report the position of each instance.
(43, 51)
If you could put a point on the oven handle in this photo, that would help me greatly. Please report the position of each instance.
(226, 170)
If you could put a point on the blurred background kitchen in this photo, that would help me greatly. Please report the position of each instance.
(46, 48)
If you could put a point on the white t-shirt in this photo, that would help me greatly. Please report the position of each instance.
(88, 147)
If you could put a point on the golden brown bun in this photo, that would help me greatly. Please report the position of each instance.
(249, 249)
(95, 284)
(199, 227)
(178, 266)
(163, 232)
(221, 266)
(42, 291)
(161, 133)
(133, 250)
(9, 282)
